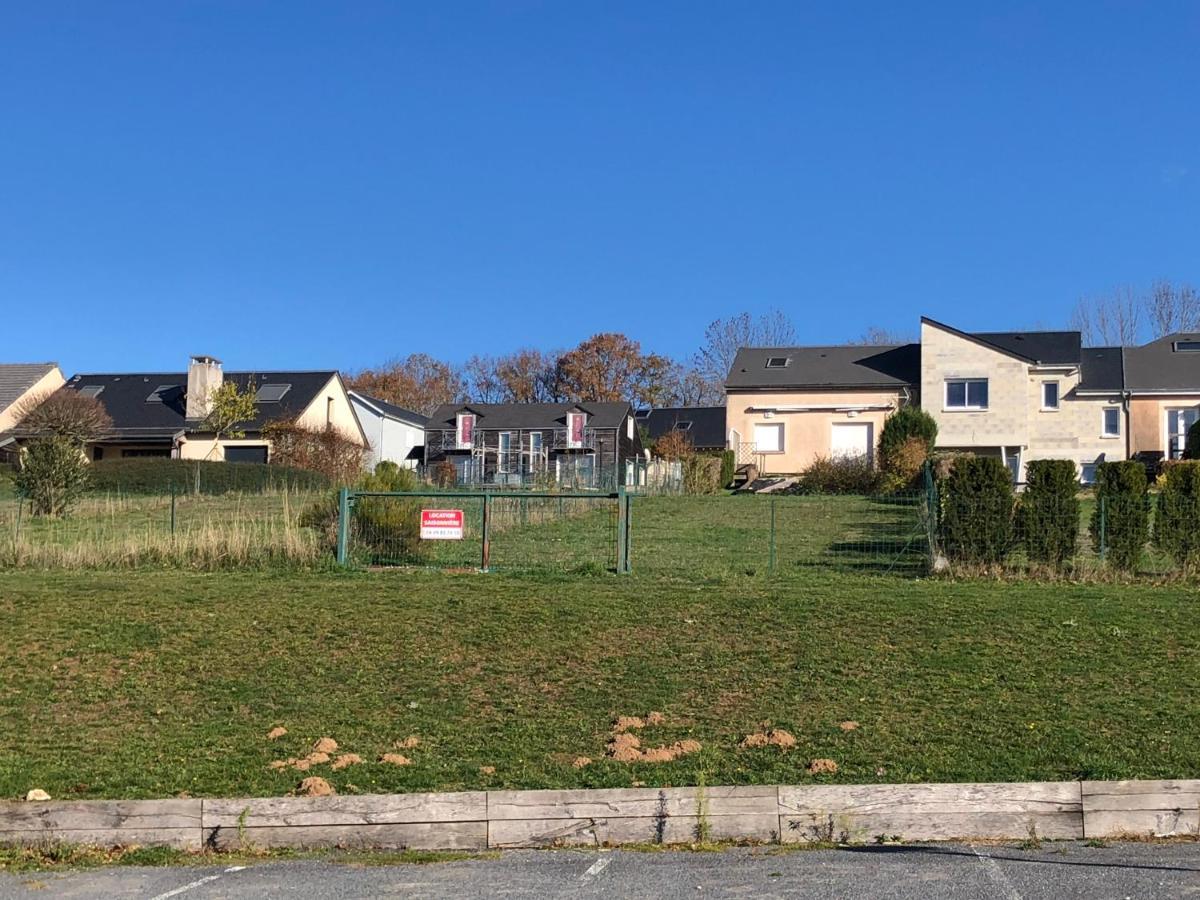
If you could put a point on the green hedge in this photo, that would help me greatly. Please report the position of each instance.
(158, 476)
(1192, 446)
(1120, 523)
(1177, 524)
(977, 510)
(1048, 514)
(728, 467)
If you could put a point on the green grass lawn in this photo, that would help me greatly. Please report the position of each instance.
(155, 683)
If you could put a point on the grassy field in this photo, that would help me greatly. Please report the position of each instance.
(157, 683)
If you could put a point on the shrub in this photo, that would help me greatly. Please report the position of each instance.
(53, 475)
(325, 450)
(977, 510)
(838, 475)
(1177, 523)
(1048, 512)
(381, 528)
(728, 467)
(157, 476)
(904, 426)
(445, 474)
(1120, 523)
(674, 444)
(701, 474)
(1192, 447)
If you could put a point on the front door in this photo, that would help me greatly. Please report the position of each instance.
(1178, 423)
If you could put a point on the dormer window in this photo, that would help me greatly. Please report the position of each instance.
(778, 362)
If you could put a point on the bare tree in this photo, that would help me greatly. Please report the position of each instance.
(724, 337)
(1171, 309)
(483, 381)
(876, 336)
(418, 382)
(1113, 319)
(64, 413)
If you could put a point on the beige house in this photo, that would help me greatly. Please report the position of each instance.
(1024, 395)
(1162, 382)
(21, 382)
(788, 406)
(162, 414)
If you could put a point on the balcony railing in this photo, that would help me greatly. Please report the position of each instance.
(447, 439)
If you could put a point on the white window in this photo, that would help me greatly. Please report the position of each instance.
(506, 457)
(536, 463)
(966, 393)
(629, 428)
(1110, 426)
(1179, 422)
(1049, 395)
(768, 438)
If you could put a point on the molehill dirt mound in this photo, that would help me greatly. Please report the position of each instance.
(276, 733)
(346, 759)
(848, 725)
(773, 737)
(315, 786)
(325, 745)
(625, 747)
(394, 759)
(822, 767)
(408, 743)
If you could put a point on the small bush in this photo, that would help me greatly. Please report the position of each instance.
(903, 427)
(382, 529)
(1177, 523)
(701, 474)
(53, 475)
(674, 444)
(728, 467)
(1120, 523)
(157, 476)
(977, 510)
(1048, 512)
(839, 475)
(324, 450)
(388, 477)
(445, 474)
(1192, 447)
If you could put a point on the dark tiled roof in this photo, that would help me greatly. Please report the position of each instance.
(706, 429)
(1158, 367)
(530, 415)
(17, 378)
(125, 398)
(827, 367)
(1049, 348)
(391, 409)
(1100, 369)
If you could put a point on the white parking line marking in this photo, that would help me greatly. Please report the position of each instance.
(192, 885)
(997, 875)
(594, 869)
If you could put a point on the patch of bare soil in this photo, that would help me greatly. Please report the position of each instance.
(315, 786)
(580, 761)
(408, 743)
(394, 759)
(822, 767)
(625, 723)
(772, 737)
(848, 725)
(325, 745)
(487, 770)
(276, 733)
(625, 747)
(346, 759)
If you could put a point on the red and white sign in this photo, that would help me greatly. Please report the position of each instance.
(466, 431)
(442, 524)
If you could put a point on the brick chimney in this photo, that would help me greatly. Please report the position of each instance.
(204, 376)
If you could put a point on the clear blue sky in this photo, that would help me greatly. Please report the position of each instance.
(299, 184)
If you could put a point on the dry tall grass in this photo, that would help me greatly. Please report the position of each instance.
(223, 532)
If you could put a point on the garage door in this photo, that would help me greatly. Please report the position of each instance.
(852, 440)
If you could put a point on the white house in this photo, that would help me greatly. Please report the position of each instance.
(394, 433)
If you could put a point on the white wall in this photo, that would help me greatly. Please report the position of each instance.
(389, 439)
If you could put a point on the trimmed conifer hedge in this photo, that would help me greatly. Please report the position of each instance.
(1120, 523)
(977, 510)
(1048, 514)
(1177, 521)
(160, 476)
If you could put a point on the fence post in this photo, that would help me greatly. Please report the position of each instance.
(622, 531)
(343, 525)
(1103, 527)
(172, 509)
(486, 550)
(771, 559)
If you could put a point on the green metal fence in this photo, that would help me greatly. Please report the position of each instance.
(510, 530)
